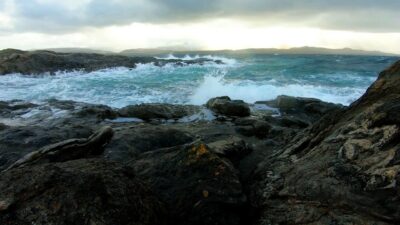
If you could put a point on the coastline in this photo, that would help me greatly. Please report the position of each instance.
(285, 161)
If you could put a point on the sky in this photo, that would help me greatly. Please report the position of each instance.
(200, 24)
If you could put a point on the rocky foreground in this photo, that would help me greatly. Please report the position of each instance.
(285, 161)
(39, 62)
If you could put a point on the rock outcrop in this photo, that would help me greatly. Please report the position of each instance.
(38, 62)
(342, 170)
(310, 163)
(77, 192)
(196, 184)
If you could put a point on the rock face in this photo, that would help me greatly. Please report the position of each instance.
(225, 106)
(77, 192)
(196, 185)
(37, 62)
(342, 170)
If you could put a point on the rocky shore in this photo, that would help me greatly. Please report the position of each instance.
(39, 62)
(285, 161)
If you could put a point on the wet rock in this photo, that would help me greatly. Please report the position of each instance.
(196, 184)
(252, 127)
(77, 192)
(68, 150)
(158, 111)
(225, 106)
(308, 110)
(99, 111)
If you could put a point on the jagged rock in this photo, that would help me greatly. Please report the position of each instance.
(77, 192)
(196, 184)
(225, 106)
(68, 150)
(341, 170)
(158, 111)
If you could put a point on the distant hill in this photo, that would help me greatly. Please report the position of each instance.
(301, 50)
(79, 50)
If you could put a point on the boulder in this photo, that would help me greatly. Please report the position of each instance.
(158, 111)
(77, 192)
(196, 184)
(308, 110)
(252, 127)
(225, 106)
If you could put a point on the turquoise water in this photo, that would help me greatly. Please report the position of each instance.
(338, 79)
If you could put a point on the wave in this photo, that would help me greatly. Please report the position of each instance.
(191, 84)
(225, 60)
(251, 91)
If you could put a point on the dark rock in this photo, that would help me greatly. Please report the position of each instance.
(233, 148)
(307, 110)
(99, 111)
(225, 106)
(77, 192)
(38, 62)
(341, 170)
(68, 150)
(196, 185)
(158, 111)
(129, 142)
(252, 127)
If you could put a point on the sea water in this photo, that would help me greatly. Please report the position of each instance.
(331, 78)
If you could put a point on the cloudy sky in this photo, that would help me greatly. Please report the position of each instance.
(200, 24)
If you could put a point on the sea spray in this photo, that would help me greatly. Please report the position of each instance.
(251, 78)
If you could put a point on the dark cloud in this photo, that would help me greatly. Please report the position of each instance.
(55, 16)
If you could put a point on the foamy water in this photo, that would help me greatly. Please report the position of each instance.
(338, 79)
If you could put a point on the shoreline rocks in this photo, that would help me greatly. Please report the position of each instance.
(313, 163)
(41, 62)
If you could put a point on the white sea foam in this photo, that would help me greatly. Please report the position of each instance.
(225, 60)
(195, 84)
(251, 91)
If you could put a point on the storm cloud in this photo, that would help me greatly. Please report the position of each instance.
(52, 16)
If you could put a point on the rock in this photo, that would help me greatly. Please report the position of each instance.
(225, 106)
(196, 184)
(39, 62)
(128, 143)
(77, 192)
(158, 111)
(100, 111)
(252, 127)
(233, 148)
(68, 150)
(341, 170)
(307, 110)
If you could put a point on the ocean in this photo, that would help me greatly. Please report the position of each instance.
(332, 78)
